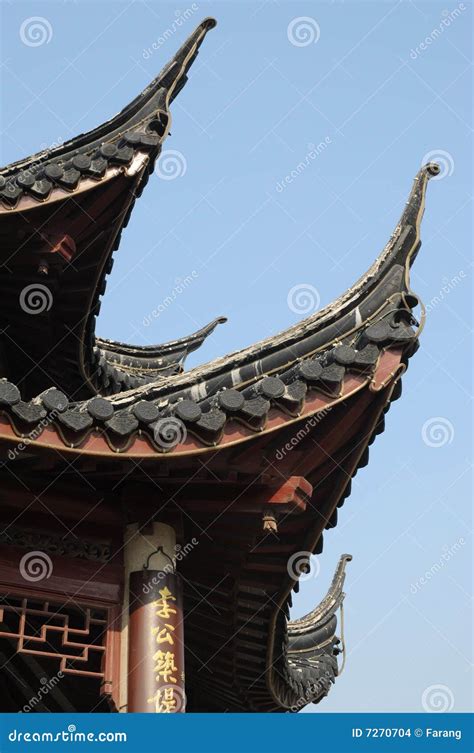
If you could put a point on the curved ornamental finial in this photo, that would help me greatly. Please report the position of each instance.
(309, 665)
(140, 127)
(408, 228)
(327, 607)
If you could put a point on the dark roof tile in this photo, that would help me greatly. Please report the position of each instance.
(256, 407)
(108, 150)
(41, 188)
(9, 393)
(30, 413)
(230, 400)
(271, 387)
(344, 355)
(188, 411)
(81, 162)
(76, 420)
(367, 356)
(123, 156)
(53, 171)
(332, 375)
(146, 411)
(311, 370)
(212, 421)
(26, 179)
(100, 408)
(123, 423)
(70, 178)
(296, 391)
(54, 400)
(98, 166)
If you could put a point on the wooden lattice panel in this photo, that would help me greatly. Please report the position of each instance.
(76, 635)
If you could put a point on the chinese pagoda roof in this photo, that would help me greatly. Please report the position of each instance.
(62, 212)
(302, 405)
(259, 388)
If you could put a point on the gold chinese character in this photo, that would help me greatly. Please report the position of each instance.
(163, 635)
(165, 609)
(165, 666)
(164, 700)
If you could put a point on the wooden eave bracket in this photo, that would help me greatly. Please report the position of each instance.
(291, 496)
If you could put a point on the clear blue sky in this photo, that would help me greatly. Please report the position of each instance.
(253, 104)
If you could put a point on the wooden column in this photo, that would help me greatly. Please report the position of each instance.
(155, 639)
(152, 658)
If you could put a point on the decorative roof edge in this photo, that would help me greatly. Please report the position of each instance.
(388, 277)
(310, 622)
(92, 428)
(140, 128)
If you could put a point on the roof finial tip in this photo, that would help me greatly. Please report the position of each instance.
(209, 22)
(432, 168)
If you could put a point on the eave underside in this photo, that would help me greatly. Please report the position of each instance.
(237, 584)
